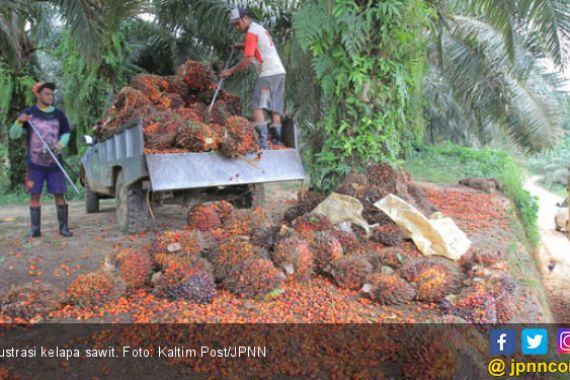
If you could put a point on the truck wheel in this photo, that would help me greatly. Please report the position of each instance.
(91, 199)
(130, 207)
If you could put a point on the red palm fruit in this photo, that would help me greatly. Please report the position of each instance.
(150, 85)
(197, 75)
(433, 277)
(309, 223)
(176, 85)
(135, 267)
(29, 300)
(240, 138)
(253, 278)
(94, 289)
(327, 249)
(474, 304)
(294, 256)
(229, 255)
(348, 240)
(189, 114)
(351, 272)
(244, 221)
(389, 234)
(198, 137)
(177, 269)
(388, 289)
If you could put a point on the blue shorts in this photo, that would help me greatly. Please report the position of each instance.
(54, 178)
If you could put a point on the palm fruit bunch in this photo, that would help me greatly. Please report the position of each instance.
(240, 138)
(388, 289)
(135, 268)
(392, 257)
(197, 75)
(502, 286)
(488, 258)
(306, 202)
(327, 249)
(151, 85)
(348, 240)
(29, 300)
(219, 114)
(232, 102)
(177, 85)
(209, 216)
(351, 272)
(307, 224)
(160, 129)
(245, 221)
(129, 104)
(185, 243)
(294, 256)
(189, 114)
(197, 288)
(199, 137)
(388, 234)
(433, 277)
(229, 254)
(169, 101)
(95, 289)
(252, 278)
(177, 269)
(263, 237)
(474, 304)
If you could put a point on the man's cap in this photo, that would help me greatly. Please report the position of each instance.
(237, 14)
(38, 87)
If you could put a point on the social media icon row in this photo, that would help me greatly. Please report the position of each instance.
(533, 341)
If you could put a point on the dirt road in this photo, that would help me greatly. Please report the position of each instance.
(554, 251)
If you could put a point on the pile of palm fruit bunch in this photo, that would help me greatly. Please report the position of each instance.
(174, 112)
(244, 252)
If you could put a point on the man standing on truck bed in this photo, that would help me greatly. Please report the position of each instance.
(269, 89)
(54, 128)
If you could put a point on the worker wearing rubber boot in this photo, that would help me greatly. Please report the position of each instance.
(54, 128)
(269, 89)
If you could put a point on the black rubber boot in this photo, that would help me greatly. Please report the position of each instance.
(36, 217)
(62, 219)
(275, 131)
(262, 133)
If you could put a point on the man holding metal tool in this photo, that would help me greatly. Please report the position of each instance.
(269, 89)
(52, 125)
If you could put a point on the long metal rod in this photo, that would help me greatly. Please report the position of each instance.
(221, 81)
(53, 155)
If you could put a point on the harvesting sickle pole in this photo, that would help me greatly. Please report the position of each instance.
(221, 81)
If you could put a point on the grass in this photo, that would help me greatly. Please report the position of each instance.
(447, 164)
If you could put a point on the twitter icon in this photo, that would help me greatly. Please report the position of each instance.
(534, 341)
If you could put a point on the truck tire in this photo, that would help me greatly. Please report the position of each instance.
(256, 198)
(91, 199)
(130, 207)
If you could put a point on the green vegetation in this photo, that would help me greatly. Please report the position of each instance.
(449, 163)
(553, 166)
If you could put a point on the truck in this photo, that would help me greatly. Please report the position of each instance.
(119, 168)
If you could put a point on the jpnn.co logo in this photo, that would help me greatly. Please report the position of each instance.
(563, 341)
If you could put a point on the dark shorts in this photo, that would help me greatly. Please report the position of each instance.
(269, 94)
(36, 177)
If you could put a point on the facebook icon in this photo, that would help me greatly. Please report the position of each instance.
(503, 342)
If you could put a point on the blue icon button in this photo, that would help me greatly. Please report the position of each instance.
(534, 341)
(503, 342)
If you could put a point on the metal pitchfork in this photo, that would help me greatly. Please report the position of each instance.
(221, 81)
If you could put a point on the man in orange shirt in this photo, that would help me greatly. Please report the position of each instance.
(269, 89)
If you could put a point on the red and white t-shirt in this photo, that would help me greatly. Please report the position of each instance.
(258, 44)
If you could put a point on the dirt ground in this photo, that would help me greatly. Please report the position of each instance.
(554, 251)
(57, 260)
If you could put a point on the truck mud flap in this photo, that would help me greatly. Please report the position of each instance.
(196, 170)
